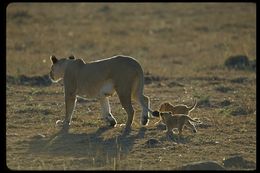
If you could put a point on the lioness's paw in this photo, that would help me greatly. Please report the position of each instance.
(110, 121)
(59, 123)
(144, 121)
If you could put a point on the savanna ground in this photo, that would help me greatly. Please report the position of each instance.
(182, 48)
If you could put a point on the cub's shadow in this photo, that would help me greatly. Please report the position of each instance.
(91, 145)
(179, 140)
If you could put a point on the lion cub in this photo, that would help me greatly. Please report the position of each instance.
(177, 109)
(177, 121)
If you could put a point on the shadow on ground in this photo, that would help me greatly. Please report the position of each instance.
(43, 80)
(90, 145)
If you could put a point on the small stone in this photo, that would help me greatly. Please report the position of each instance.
(152, 142)
(39, 136)
(238, 162)
(203, 165)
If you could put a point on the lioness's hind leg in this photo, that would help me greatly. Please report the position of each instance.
(144, 117)
(125, 101)
(145, 104)
(106, 111)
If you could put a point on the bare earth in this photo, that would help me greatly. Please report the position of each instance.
(182, 49)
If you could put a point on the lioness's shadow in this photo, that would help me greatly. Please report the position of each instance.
(86, 145)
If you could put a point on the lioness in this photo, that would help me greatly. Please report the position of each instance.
(101, 79)
(176, 109)
(177, 121)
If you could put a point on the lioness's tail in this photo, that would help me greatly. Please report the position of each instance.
(154, 113)
(193, 106)
(144, 100)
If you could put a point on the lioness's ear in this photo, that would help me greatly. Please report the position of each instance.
(71, 57)
(53, 59)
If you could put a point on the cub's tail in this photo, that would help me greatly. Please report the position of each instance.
(196, 120)
(193, 106)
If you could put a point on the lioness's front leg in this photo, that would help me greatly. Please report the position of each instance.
(70, 100)
(106, 111)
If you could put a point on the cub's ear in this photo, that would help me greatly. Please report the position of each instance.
(53, 59)
(71, 57)
(170, 113)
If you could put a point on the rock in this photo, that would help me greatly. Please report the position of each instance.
(175, 84)
(202, 165)
(149, 78)
(204, 102)
(240, 80)
(240, 62)
(237, 62)
(152, 143)
(204, 125)
(238, 162)
(225, 103)
(104, 9)
(238, 110)
(253, 64)
(223, 89)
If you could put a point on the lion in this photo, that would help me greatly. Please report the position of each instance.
(177, 121)
(176, 109)
(101, 79)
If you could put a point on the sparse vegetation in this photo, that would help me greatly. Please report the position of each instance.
(183, 49)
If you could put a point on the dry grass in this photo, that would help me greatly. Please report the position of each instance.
(179, 43)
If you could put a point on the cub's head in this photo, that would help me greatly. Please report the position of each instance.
(58, 67)
(166, 106)
(165, 114)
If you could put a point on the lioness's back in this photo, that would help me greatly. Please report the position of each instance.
(121, 68)
(118, 61)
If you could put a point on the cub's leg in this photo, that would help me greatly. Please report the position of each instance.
(106, 111)
(169, 133)
(180, 129)
(191, 126)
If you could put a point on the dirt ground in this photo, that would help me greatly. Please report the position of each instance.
(183, 49)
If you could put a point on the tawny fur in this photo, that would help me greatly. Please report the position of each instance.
(176, 109)
(177, 121)
(101, 79)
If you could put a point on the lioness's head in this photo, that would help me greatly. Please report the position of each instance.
(58, 67)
